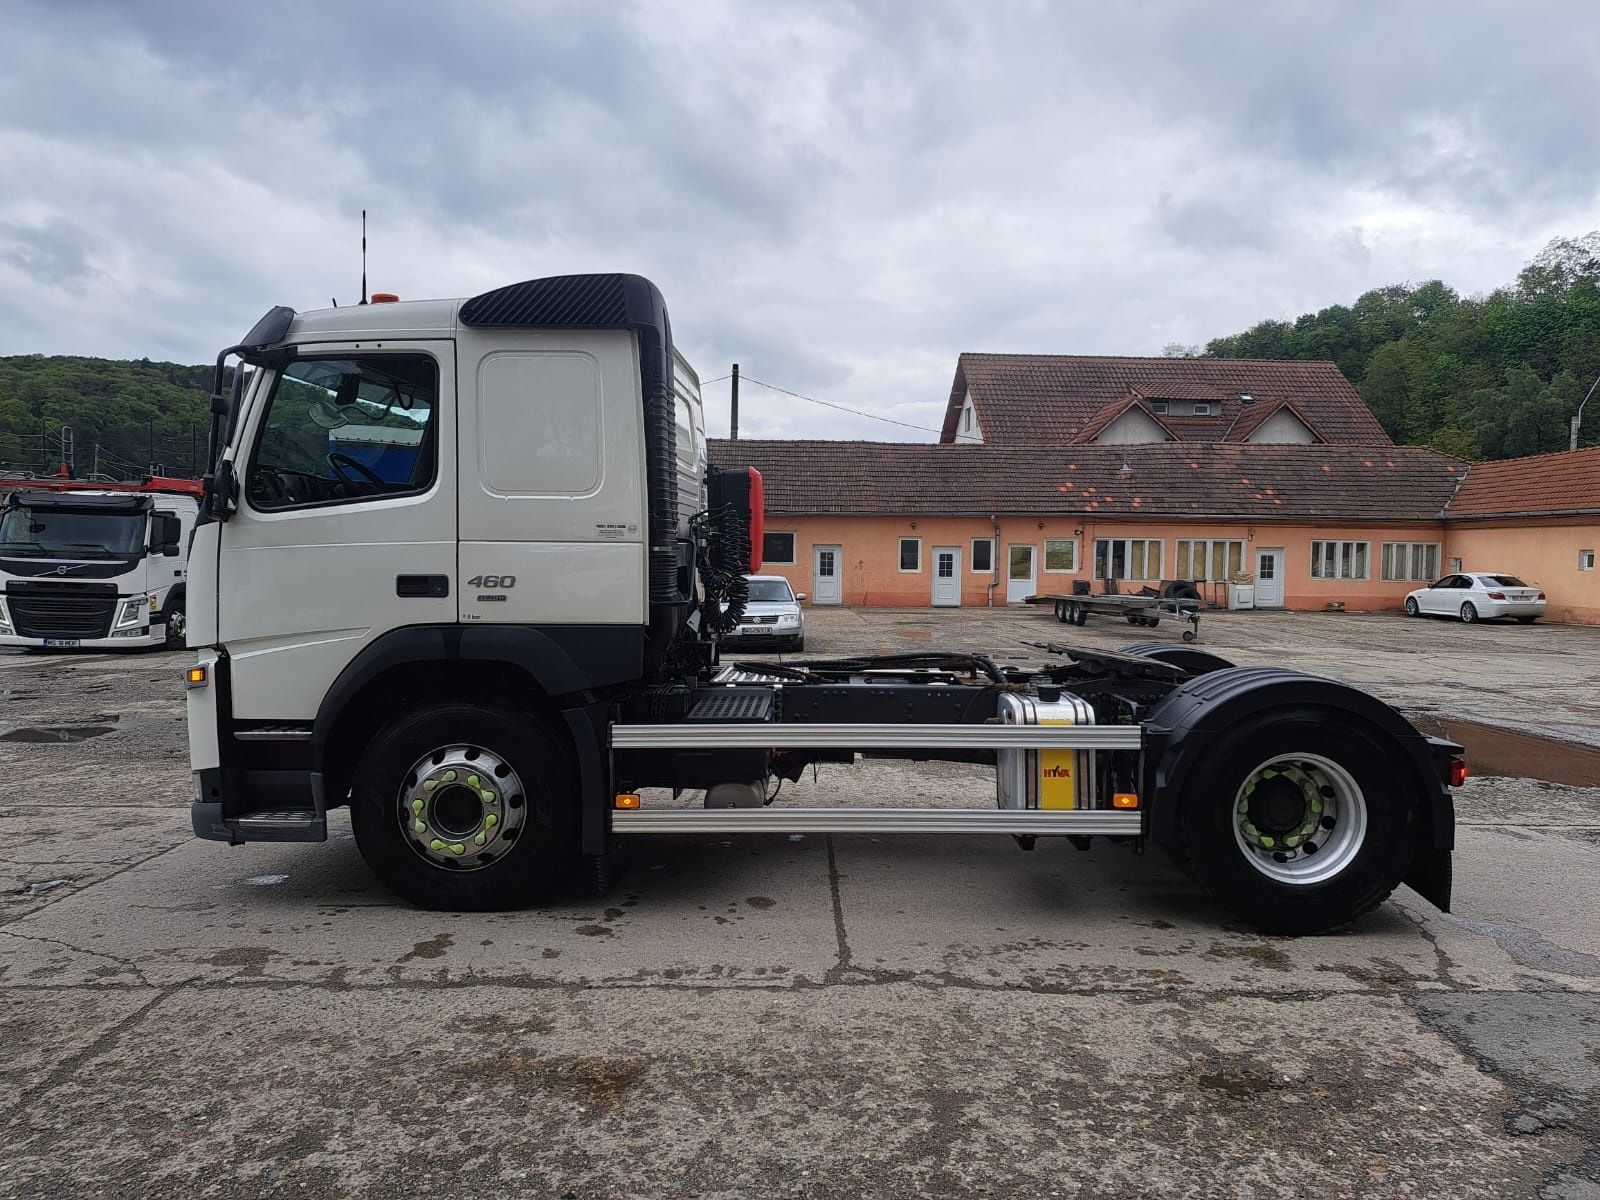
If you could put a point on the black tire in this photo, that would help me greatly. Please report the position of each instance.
(534, 865)
(175, 618)
(1526, 620)
(1080, 614)
(1061, 611)
(1413, 609)
(1225, 869)
(1469, 613)
(799, 644)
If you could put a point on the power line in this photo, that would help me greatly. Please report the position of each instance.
(856, 412)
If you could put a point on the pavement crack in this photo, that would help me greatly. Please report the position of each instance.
(29, 1097)
(837, 972)
(96, 883)
(125, 963)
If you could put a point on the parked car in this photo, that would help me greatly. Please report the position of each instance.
(1476, 596)
(773, 618)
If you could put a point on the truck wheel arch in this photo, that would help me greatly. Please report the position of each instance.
(548, 671)
(1185, 725)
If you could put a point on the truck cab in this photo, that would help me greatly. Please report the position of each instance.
(95, 567)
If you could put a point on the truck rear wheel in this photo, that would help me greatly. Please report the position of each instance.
(465, 807)
(1298, 822)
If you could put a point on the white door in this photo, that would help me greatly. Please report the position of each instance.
(1445, 597)
(947, 576)
(1269, 578)
(825, 575)
(348, 487)
(1019, 573)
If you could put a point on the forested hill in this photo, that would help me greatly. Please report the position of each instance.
(139, 413)
(1480, 376)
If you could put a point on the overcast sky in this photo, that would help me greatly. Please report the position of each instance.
(841, 197)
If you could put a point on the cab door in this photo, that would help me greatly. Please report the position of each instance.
(346, 521)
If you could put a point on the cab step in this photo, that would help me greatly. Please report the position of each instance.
(284, 825)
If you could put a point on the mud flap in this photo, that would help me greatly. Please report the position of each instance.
(1430, 876)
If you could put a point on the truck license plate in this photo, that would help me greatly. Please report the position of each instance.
(63, 642)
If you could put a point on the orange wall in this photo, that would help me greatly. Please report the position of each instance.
(870, 554)
(1544, 552)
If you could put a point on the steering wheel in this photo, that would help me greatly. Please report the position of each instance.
(339, 462)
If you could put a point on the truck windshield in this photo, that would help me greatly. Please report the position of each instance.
(71, 533)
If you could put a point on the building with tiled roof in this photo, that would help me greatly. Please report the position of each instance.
(1310, 524)
(1036, 399)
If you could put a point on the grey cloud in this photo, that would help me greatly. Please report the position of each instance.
(842, 197)
(56, 253)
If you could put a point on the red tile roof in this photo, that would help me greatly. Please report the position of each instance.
(1253, 416)
(1111, 412)
(1255, 482)
(1034, 399)
(1568, 482)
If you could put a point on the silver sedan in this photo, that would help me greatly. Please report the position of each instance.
(1477, 596)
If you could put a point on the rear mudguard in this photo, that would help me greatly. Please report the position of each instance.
(1182, 728)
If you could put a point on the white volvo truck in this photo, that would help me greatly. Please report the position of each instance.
(95, 566)
(461, 566)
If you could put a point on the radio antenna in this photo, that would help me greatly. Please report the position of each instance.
(363, 256)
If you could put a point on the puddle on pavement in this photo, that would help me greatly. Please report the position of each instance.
(56, 733)
(1492, 751)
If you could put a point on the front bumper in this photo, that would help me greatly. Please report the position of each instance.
(131, 639)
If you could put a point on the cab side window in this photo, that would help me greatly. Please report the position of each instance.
(342, 430)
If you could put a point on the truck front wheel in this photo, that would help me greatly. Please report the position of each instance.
(465, 807)
(1299, 822)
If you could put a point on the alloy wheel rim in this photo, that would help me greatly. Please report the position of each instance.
(1299, 819)
(461, 807)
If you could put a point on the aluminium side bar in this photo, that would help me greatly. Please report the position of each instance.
(1019, 822)
(804, 736)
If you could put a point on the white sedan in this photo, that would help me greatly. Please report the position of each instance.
(1476, 596)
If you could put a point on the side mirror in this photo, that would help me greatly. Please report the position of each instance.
(800, 597)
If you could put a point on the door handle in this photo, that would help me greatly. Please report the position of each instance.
(431, 586)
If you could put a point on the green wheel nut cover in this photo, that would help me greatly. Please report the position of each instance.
(436, 844)
(457, 848)
(420, 826)
(417, 806)
(490, 820)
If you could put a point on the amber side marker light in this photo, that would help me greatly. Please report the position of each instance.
(1458, 772)
(194, 677)
(627, 800)
(1125, 800)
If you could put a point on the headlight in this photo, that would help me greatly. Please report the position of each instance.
(789, 619)
(131, 613)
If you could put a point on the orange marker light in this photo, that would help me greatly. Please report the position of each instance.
(384, 298)
(1125, 800)
(627, 800)
(194, 677)
(1458, 772)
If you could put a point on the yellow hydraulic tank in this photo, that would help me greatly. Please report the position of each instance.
(1045, 779)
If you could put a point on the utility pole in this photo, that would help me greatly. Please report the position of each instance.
(1577, 417)
(733, 428)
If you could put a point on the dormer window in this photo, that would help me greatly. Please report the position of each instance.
(1246, 398)
(1202, 408)
(1159, 407)
(966, 421)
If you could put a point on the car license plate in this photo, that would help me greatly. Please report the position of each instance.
(756, 629)
(63, 642)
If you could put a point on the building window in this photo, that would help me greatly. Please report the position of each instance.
(966, 420)
(1127, 558)
(1061, 554)
(1411, 561)
(1585, 560)
(1455, 566)
(1209, 561)
(911, 554)
(777, 548)
(1158, 407)
(1202, 409)
(1339, 560)
(983, 556)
